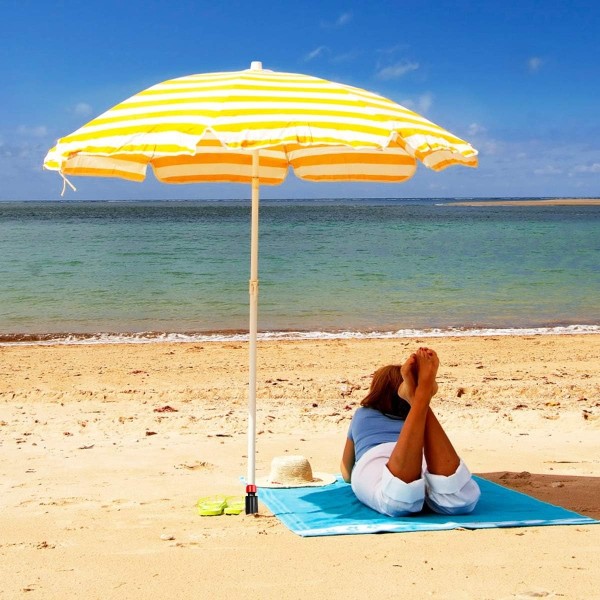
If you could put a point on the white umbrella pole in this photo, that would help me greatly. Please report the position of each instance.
(251, 498)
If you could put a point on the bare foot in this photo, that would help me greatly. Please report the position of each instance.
(427, 365)
(409, 378)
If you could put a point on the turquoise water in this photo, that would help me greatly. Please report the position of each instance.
(387, 265)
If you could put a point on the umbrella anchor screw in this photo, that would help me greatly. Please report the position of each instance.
(251, 500)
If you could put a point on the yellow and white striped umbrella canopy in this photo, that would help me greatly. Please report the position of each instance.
(203, 128)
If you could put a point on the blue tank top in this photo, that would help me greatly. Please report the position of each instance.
(370, 427)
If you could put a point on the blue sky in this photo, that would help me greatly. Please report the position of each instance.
(519, 79)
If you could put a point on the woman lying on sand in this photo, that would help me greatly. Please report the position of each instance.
(397, 455)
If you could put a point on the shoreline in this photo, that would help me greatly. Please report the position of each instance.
(152, 337)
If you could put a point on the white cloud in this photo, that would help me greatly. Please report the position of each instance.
(325, 53)
(489, 147)
(315, 53)
(345, 57)
(534, 64)
(37, 131)
(593, 168)
(82, 109)
(397, 70)
(548, 170)
(475, 129)
(391, 50)
(341, 21)
(421, 104)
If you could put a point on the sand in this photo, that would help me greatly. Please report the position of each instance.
(105, 450)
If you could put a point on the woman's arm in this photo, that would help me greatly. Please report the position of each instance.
(348, 460)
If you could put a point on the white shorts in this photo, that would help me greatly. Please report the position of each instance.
(375, 486)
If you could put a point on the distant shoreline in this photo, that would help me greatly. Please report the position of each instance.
(392, 201)
(554, 202)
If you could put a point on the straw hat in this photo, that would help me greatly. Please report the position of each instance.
(293, 471)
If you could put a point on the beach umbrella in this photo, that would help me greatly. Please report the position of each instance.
(250, 126)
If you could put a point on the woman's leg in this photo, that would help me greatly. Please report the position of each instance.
(375, 486)
(406, 460)
(440, 455)
(449, 487)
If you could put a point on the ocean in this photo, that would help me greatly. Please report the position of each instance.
(89, 272)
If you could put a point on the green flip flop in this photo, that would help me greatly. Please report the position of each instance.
(234, 505)
(211, 506)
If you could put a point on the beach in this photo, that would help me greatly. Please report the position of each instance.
(107, 447)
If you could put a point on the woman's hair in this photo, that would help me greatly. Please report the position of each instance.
(383, 393)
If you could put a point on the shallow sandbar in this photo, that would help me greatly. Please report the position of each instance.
(550, 202)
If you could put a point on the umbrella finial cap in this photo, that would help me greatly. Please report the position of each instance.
(256, 65)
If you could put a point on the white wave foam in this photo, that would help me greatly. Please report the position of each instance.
(153, 337)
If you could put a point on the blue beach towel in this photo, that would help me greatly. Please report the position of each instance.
(335, 510)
